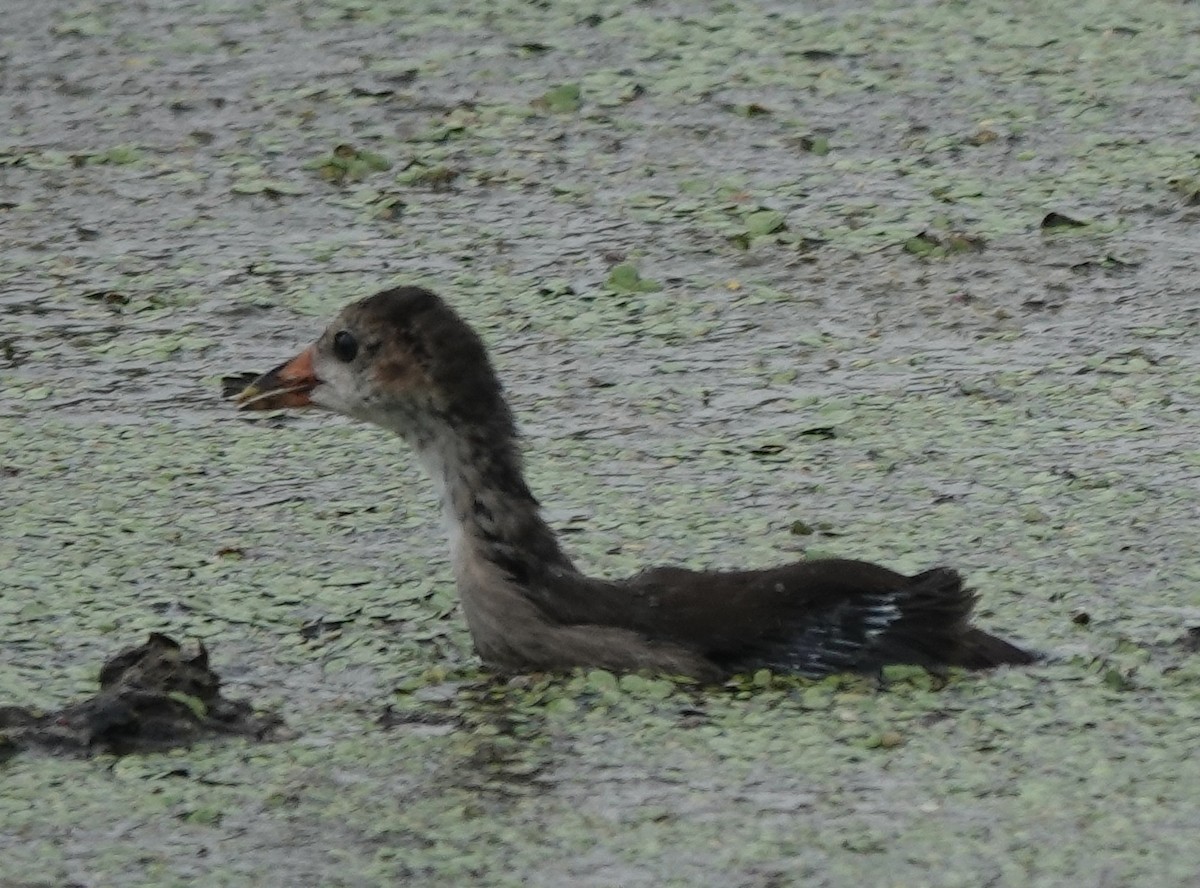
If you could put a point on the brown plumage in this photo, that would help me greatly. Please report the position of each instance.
(404, 360)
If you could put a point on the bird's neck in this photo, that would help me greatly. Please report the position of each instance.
(491, 517)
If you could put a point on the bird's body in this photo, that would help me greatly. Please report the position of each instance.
(404, 360)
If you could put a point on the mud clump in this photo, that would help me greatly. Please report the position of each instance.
(154, 697)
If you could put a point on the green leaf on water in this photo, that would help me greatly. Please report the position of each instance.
(349, 577)
(195, 704)
(763, 222)
(348, 164)
(921, 245)
(562, 99)
(1116, 680)
(561, 706)
(818, 145)
(601, 680)
(417, 173)
(118, 154)
(624, 278)
(640, 686)
(271, 187)
(206, 815)
(81, 24)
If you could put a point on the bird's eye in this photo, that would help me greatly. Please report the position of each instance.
(345, 346)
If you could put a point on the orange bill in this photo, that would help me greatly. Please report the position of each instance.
(288, 385)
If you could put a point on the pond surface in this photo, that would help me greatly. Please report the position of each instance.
(917, 278)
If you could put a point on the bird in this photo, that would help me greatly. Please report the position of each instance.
(404, 360)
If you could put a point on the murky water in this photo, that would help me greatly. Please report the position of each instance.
(1022, 408)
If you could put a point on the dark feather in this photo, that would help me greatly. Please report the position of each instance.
(811, 617)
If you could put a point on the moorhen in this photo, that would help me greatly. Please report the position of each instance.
(403, 359)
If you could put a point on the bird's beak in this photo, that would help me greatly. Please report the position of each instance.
(288, 385)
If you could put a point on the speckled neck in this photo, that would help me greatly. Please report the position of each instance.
(489, 513)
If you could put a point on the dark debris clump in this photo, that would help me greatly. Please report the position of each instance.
(154, 697)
